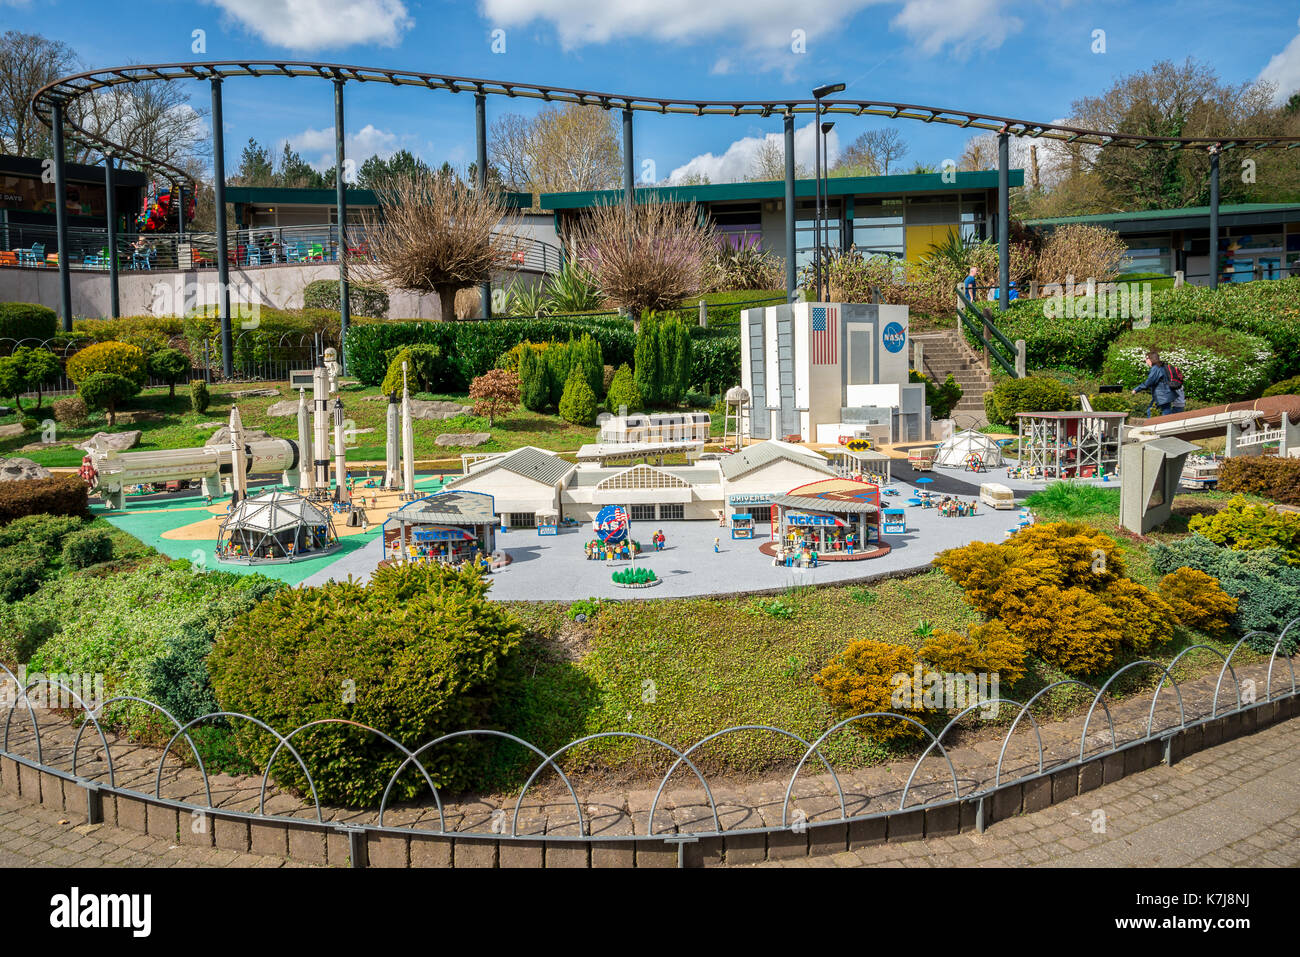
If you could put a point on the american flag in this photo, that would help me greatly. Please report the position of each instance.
(825, 339)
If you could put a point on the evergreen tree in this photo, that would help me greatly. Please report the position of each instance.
(578, 404)
(647, 361)
(623, 393)
(534, 381)
(256, 166)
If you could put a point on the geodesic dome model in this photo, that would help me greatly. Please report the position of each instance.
(955, 452)
(275, 527)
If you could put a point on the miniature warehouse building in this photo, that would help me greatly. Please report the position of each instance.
(817, 371)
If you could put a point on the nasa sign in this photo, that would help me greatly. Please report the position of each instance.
(894, 337)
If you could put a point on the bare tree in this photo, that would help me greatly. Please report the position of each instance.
(153, 117)
(28, 61)
(651, 256)
(433, 234)
(567, 148)
(769, 162)
(874, 150)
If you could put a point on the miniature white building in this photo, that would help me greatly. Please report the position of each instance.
(820, 370)
(523, 483)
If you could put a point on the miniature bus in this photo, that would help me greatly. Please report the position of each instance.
(996, 495)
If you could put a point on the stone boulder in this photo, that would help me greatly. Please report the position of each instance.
(13, 470)
(462, 439)
(255, 393)
(283, 409)
(136, 416)
(10, 430)
(437, 410)
(222, 436)
(110, 441)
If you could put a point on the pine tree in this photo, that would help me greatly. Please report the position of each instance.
(578, 404)
(534, 381)
(647, 360)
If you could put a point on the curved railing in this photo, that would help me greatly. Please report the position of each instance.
(949, 787)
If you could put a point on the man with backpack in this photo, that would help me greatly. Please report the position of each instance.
(1160, 382)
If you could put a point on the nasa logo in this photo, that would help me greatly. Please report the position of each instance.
(894, 337)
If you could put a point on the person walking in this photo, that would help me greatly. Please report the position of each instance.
(1157, 383)
(969, 284)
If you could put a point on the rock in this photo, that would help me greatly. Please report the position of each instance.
(9, 431)
(255, 394)
(208, 425)
(437, 410)
(222, 436)
(463, 439)
(133, 416)
(110, 441)
(44, 446)
(13, 470)
(283, 409)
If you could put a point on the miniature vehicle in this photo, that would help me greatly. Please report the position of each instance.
(921, 459)
(997, 495)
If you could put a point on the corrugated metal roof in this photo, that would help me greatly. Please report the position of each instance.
(532, 463)
(825, 505)
(448, 508)
(750, 458)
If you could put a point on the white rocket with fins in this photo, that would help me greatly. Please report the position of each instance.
(306, 478)
(238, 458)
(320, 445)
(392, 438)
(341, 493)
(408, 441)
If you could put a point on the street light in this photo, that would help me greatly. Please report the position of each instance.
(825, 172)
(818, 93)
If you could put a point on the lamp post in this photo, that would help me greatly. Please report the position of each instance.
(825, 173)
(818, 93)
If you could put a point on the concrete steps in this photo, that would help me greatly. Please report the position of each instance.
(947, 353)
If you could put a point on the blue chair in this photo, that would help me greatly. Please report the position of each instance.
(254, 255)
(33, 257)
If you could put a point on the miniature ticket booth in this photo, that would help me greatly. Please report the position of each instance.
(1149, 476)
(893, 521)
(548, 523)
(742, 526)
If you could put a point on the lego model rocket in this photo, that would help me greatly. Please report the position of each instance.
(238, 458)
(408, 442)
(320, 445)
(306, 478)
(392, 468)
(341, 493)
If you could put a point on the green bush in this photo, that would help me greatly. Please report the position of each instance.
(1267, 589)
(1055, 343)
(640, 575)
(1268, 476)
(1030, 394)
(1244, 526)
(170, 365)
(941, 398)
(418, 653)
(56, 495)
(1289, 386)
(116, 625)
(1120, 402)
(364, 298)
(27, 370)
(200, 398)
(107, 390)
(22, 569)
(109, 358)
(27, 320)
(1269, 309)
(45, 532)
(623, 393)
(534, 380)
(1218, 365)
(87, 547)
(424, 367)
(578, 403)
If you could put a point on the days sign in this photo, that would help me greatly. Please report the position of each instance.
(858, 445)
(894, 337)
(803, 518)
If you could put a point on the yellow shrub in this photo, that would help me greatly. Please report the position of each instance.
(116, 358)
(988, 648)
(862, 679)
(1197, 600)
(1075, 553)
(1071, 628)
(1147, 618)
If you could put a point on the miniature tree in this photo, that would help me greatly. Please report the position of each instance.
(435, 234)
(534, 380)
(649, 256)
(578, 404)
(495, 393)
(27, 370)
(170, 365)
(649, 364)
(104, 390)
(623, 393)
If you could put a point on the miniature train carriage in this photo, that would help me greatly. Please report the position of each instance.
(997, 495)
(658, 427)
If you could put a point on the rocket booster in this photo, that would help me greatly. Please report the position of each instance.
(306, 477)
(238, 457)
(392, 469)
(340, 454)
(320, 445)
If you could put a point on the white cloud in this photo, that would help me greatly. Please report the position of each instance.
(737, 160)
(305, 25)
(358, 146)
(964, 25)
(1283, 71)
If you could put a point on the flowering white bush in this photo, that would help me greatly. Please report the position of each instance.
(1217, 365)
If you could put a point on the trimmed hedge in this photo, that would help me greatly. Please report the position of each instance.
(1269, 476)
(1054, 343)
(1030, 394)
(1289, 386)
(27, 320)
(1218, 365)
(1268, 308)
(364, 298)
(57, 495)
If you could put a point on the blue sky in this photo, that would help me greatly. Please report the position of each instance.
(1023, 58)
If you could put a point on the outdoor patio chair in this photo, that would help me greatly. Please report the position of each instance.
(316, 252)
(32, 257)
(254, 255)
(293, 252)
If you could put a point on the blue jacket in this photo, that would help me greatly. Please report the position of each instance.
(1157, 383)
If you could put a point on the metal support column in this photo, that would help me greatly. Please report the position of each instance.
(817, 216)
(1004, 221)
(61, 217)
(1214, 217)
(629, 180)
(219, 199)
(480, 142)
(791, 276)
(110, 215)
(341, 210)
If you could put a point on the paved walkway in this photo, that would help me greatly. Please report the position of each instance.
(1236, 805)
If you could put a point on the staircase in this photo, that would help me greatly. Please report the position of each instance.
(946, 351)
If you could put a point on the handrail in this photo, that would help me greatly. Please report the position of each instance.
(982, 329)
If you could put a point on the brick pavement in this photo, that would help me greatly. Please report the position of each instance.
(1236, 805)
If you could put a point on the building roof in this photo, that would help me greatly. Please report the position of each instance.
(775, 189)
(275, 512)
(755, 456)
(610, 451)
(297, 196)
(1233, 213)
(448, 508)
(529, 462)
(74, 172)
(809, 503)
